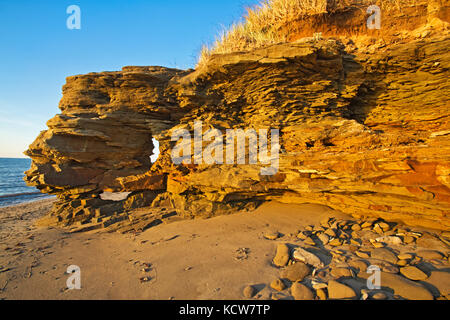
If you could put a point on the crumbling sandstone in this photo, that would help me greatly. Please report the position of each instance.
(365, 132)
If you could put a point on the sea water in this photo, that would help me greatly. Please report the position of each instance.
(13, 189)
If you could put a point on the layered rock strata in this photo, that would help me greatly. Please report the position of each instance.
(362, 131)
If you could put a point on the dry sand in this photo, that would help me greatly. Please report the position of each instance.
(194, 259)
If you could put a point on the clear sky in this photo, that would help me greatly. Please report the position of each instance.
(38, 51)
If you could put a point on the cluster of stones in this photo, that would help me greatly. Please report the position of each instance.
(331, 261)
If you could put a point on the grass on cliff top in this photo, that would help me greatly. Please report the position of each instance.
(262, 23)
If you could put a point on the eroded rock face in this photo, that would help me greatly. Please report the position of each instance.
(102, 141)
(367, 134)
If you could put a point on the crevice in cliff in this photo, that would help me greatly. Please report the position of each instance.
(156, 152)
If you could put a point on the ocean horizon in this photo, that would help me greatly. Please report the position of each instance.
(13, 189)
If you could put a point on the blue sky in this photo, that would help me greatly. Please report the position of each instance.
(38, 51)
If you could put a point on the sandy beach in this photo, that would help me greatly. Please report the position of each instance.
(189, 260)
(195, 259)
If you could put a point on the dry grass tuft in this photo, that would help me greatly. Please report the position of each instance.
(261, 24)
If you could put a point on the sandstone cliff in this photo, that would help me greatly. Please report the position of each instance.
(363, 120)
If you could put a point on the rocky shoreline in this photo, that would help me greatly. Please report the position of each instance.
(335, 259)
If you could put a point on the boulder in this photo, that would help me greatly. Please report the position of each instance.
(296, 272)
(405, 288)
(301, 292)
(337, 290)
(384, 254)
(278, 285)
(413, 273)
(281, 258)
(307, 257)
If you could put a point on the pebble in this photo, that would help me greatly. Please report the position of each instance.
(367, 224)
(335, 242)
(354, 235)
(344, 236)
(390, 240)
(385, 226)
(405, 288)
(344, 223)
(307, 257)
(405, 256)
(249, 292)
(413, 273)
(282, 256)
(321, 294)
(318, 285)
(301, 236)
(402, 263)
(437, 262)
(379, 296)
(324, 238)
(408, 239)
(390, 268)
(364, 294)
(321, 274)
(301, 292)
(384, 254)
(272, 235)
(278, 285)
(378, 229)
(296, 272)
(430, 254)
(278, 296)
(309, 241)
(341, 272)
(377, 244)
(338, 290)
(360, 265)
(416, 260)
(362, 254)
(331, 233)
(402, 230)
